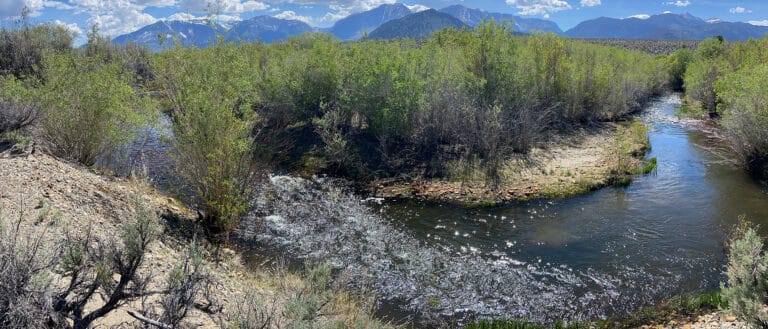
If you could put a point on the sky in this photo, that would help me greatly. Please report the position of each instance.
(116, 17)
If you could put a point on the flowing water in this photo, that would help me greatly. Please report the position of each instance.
(605, 253)
(662, 235)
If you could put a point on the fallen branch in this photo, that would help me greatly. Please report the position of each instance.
(142, 318)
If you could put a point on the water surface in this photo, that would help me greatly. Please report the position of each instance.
(661, 235)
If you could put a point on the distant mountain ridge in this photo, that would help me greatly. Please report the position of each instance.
(418, 25)
(266, 29)
(163, 34)
(398, 21)
(473, 17)
(665, 26)
(270, 29)
(355, 26)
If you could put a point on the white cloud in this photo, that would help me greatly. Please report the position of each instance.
(640, 16)
(739, 10)
(13, 8)
(58, 5)
(221, 6)
(71, 27)
(187, 17)
(539, 7)
(115, 17)
(417, 8)
(332, 17)
(344, 7)
(9, 8)
(155, 3)
(290, 14)
(759, 23)
(590, 3)
(667, 12)
(678, 3)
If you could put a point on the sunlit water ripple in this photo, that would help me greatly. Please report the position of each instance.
(606, 253)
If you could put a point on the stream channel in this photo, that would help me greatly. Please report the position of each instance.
(606, 253)
(609, 252)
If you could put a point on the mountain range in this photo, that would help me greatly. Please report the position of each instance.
(356, 26)
(390, 21)
(473, 17)
(162, 34)
(418, 25)
(665, 26)
(393, 21)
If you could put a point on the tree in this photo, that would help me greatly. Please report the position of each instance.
(676, 64)
(90, 108)
(210, 94)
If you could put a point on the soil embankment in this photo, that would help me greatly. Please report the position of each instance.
(570, 164)
(56, 197)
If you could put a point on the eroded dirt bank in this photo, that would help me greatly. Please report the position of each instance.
(570, 164)
(55, 197)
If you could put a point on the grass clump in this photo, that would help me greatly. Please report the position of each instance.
(631, 144)
(648, 166)
(313, 298)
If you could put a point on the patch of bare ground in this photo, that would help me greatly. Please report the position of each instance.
(46, 194)
(570, 164)
(715, 320)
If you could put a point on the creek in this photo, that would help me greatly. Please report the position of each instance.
(606, 253)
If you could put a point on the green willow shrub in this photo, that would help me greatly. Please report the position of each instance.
(676, 64)
(747, 273)
(729, 80)
(700, 75)
(410, 107)
(17, 110)
(209, 93)
(90, 108)
(24, 47)
(745, 113)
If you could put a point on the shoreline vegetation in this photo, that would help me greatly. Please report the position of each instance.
(477, 117)
(573, 164)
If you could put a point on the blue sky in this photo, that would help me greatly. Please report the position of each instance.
(115, 17)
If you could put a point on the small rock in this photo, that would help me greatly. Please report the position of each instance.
(730, 318)
(228, 252)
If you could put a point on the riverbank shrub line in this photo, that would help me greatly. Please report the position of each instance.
(728, 80)
(364, 110)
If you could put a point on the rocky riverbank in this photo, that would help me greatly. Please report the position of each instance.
(715, 320)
